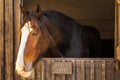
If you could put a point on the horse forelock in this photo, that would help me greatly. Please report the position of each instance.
(29, 15)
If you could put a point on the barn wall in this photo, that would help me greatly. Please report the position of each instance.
(97, 13)
(9, 41)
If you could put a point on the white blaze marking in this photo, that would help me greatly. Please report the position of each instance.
(20, 60)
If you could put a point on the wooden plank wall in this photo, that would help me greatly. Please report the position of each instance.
(2, 40)
(9, 37)
(83, 69)
(8, 40)
(97, 13)
(17, 18)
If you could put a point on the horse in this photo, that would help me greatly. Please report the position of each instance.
(51, 33)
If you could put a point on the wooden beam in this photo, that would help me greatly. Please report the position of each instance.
(8, 39)
(1, 39)
(16, 33)
(117, 30)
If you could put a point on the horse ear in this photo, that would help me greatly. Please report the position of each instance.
(23, 10)
(38, 10)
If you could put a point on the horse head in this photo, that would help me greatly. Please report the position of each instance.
(35, 39)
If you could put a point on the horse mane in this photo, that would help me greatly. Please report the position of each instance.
(51, 14)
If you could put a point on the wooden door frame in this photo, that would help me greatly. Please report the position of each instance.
(117, 30)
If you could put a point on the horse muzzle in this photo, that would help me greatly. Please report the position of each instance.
(24, 71)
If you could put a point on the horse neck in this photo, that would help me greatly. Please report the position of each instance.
(52, 38)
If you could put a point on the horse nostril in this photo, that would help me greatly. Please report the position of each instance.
(23, 68)
(20, 68)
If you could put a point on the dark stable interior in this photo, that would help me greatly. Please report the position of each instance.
(107, 48)
(96, 12)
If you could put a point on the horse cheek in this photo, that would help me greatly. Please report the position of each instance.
(34, 45)
(35, 42)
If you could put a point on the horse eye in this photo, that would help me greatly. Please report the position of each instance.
(34, 33)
